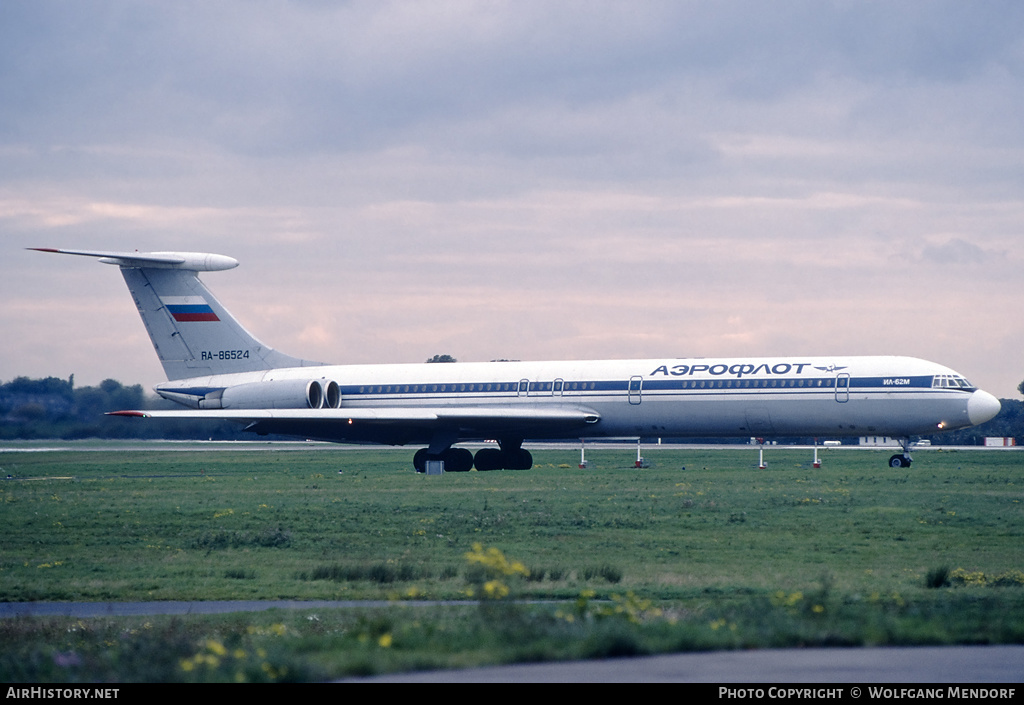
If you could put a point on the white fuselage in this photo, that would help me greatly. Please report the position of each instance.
(696, 397)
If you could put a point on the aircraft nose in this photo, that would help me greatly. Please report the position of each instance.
(981, 407)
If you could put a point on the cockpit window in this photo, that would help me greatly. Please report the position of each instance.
(951, 382)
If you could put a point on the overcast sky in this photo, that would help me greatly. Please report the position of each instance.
(524, 180)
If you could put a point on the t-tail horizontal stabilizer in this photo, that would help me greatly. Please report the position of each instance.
(193, 334)
(192, 261)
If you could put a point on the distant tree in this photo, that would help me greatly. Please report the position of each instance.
(109, 386)
(30, 412)
(1020, 388)
(50, 385)
(55, 408)
(91, 403)
(442, 358)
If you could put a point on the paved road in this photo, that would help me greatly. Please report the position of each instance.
(961, 665)
(138, 609)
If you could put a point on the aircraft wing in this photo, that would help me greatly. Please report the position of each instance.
(395, 414)
(412, 423)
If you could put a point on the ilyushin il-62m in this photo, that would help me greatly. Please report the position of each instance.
(218, 370)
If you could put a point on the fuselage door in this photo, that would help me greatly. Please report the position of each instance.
(636, 385)
(524, 387)
(843, 388)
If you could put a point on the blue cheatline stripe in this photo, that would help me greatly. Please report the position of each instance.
(595, 387)
(576, 388)
(193, 391)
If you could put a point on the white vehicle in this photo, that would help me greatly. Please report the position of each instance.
(218, 370)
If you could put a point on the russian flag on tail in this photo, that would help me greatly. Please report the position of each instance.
(189, 308)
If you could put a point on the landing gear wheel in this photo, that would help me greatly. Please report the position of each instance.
(457, 460)
(488, 459)
(419, 461)
(509, 459)
(899, 461)
(518, 459)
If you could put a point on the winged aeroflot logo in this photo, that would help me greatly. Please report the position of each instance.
(831, 368)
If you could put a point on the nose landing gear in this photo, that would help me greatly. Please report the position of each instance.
(902, 460)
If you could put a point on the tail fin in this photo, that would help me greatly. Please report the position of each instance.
(194, 335)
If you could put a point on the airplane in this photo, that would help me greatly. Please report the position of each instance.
(218, 370)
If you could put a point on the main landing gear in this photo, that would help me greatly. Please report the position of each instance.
(455, 459)
(902, 460)
(509, 455)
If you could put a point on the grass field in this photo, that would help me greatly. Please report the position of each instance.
(702, 550)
